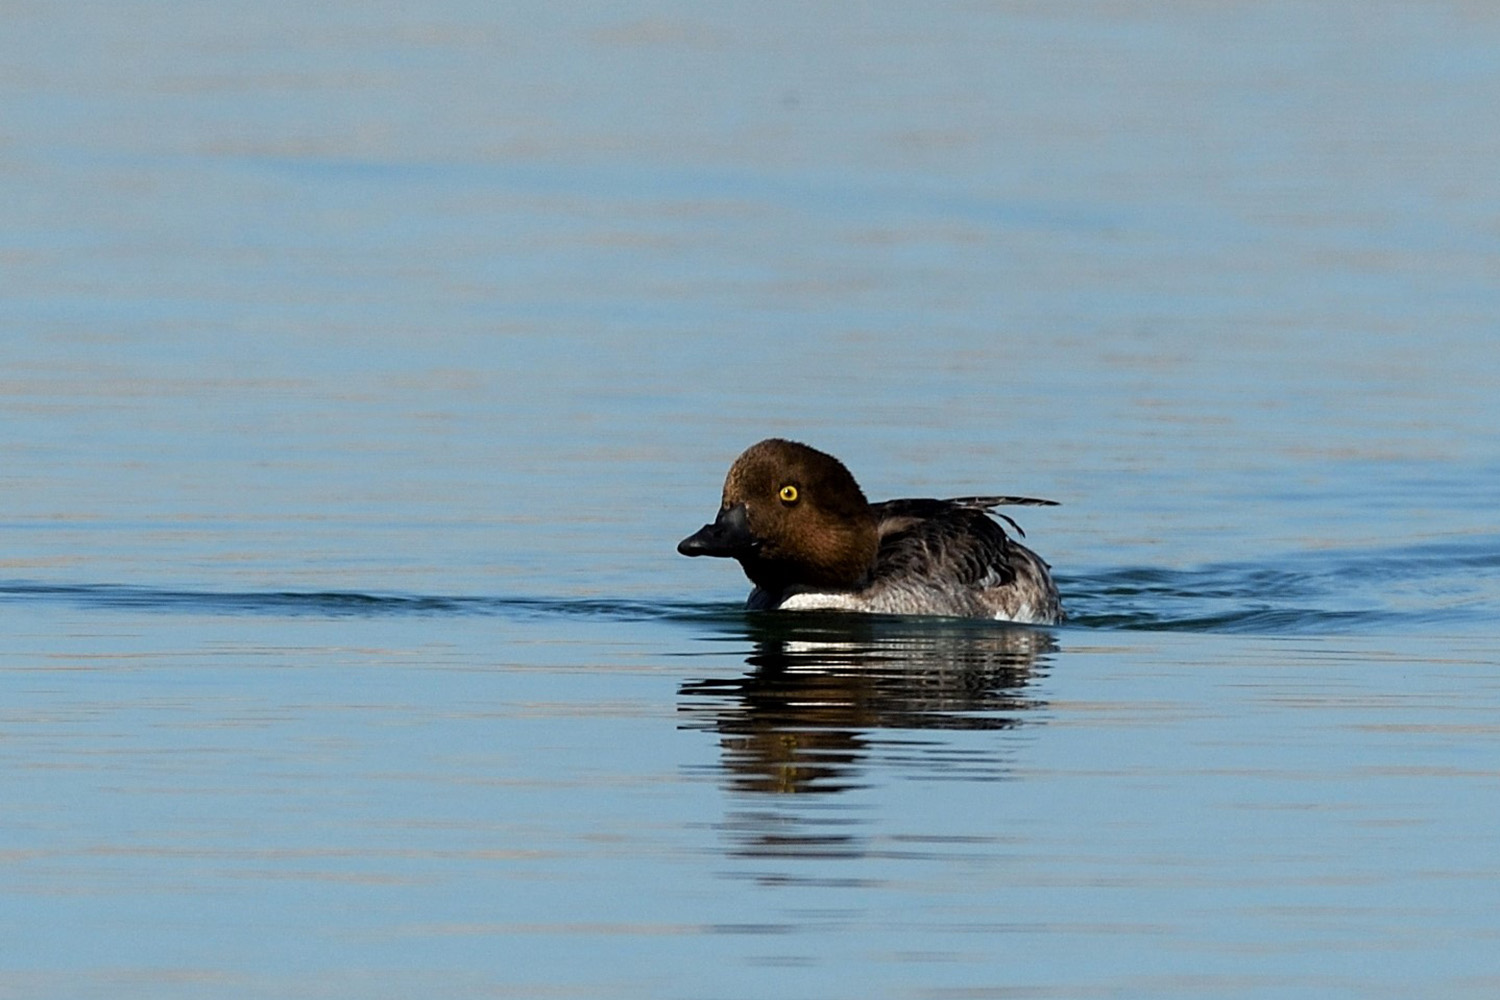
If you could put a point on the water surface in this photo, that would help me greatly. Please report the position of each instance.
(363, 366)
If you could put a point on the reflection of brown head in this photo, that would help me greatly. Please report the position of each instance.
(809, 713)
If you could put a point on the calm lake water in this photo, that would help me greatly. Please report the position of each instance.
(364, 363)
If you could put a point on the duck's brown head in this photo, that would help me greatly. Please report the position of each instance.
(792, 516)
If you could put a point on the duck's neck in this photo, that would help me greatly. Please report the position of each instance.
(841, 559)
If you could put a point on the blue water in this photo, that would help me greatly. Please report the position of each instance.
(363, 365)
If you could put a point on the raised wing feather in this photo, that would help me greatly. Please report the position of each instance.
(947, 541)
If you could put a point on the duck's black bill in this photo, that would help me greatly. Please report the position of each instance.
(729, 535)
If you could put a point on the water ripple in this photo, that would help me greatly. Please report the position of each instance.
(1439, 585)
(331, 603)
(1444, 584)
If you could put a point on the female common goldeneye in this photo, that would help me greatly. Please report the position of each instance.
(808, 539)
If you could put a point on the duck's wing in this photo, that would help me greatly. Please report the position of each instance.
(986, 502)
(950, 557)
(898, 515)
(947, 541)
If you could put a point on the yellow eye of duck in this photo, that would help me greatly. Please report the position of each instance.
(788, 494)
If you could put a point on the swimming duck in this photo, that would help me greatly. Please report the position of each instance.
(808, 539)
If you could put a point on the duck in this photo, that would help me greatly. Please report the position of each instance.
(800, 527)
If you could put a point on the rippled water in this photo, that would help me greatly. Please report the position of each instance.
(363, 365)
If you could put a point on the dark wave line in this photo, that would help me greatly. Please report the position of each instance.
(1268, 621)
(338, 603)
(1423, 586)
(1417, 586)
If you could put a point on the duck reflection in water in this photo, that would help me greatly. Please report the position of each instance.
(805, 717)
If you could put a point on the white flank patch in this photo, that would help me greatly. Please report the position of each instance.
(822, 602)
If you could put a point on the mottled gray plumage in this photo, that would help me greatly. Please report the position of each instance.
(949, 556)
